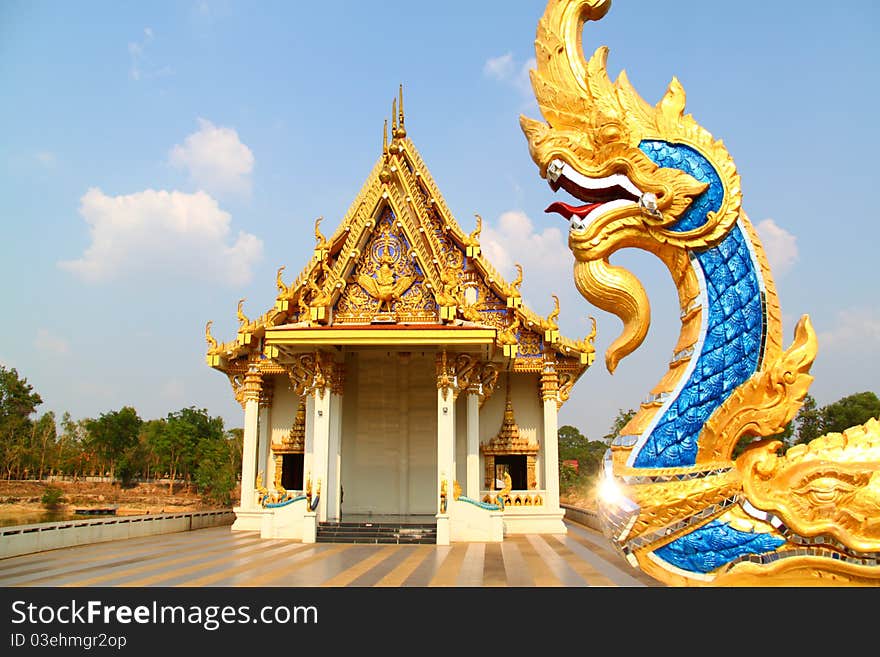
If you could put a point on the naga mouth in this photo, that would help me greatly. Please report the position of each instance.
(599, 194)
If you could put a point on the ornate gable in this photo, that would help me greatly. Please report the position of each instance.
(387, 282)
(399, 257)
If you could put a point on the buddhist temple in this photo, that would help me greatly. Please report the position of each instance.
(399, 374)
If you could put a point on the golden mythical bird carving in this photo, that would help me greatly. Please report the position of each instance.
(385, 287)
(672, 498)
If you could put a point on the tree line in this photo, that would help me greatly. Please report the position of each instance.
(187, 445)
(810, 422)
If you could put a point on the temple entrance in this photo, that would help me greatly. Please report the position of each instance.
(515, 466)
(389, 434)
(292, 471)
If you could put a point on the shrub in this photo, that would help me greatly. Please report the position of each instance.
(52, 497)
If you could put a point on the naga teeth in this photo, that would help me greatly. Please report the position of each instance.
(648, 204)
(554, 170)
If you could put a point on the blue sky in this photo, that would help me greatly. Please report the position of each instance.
(161, 160)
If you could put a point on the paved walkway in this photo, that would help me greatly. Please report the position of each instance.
(220, 557)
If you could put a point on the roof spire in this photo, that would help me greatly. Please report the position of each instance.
(401, 131)
(394, 134)
(385, 173)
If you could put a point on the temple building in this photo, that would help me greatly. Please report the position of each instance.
(400, 375)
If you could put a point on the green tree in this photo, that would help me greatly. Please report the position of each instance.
(45, 435)
(18, 402)
(571, 442)
(623, 416)
(113, 433)
(809, 423)
(186, 436)
(216, 473)
(850, 411)
(71, 453)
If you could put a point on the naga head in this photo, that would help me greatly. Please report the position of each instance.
(634, 170)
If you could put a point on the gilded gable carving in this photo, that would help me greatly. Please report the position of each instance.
(387, 283)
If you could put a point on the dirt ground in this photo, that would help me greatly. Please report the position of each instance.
(22, 499)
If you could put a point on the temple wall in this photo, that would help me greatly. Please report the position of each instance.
(389, 434)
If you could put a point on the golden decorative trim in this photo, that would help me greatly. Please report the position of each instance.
(445, 375)
(337, 380)
(549, 382)
(253, 384)
(380, 336)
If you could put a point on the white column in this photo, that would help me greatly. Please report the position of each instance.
(320, 448)
(309, 447)
(472, 488)
(445, 429)
(252, 385)
(334, 465)
(445, 442)
(549, 391)
(264, 438)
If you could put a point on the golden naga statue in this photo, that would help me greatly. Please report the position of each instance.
(672, 499)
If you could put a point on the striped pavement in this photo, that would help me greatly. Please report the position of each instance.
(219, 557)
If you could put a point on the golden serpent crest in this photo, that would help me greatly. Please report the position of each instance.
(673, 500)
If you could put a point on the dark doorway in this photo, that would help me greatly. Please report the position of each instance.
(515, 465)
(292, 471)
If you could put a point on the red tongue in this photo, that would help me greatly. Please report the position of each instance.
(568, 211)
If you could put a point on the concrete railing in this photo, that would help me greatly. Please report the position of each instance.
(582, 516)
(26, 539)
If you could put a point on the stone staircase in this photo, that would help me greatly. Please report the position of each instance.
(385, 531)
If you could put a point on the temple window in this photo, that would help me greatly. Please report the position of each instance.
(510, 452)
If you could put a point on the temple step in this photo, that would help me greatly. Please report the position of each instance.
(376, 532)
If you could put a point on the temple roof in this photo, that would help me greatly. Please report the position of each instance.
(399, 259)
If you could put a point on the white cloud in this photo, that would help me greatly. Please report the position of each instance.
(505, 69)
(780, 246)
(51, 344)
(161, 232)
(215, 159)
(500, 68)
(47, 159)
(514, 240)
(136, 54)
(138, 58)
(853, 329)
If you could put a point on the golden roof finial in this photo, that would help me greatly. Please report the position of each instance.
(551, 318)
(212, 343)
(394, 134)
(586, 345)
(385, 173)
(279, 282)
(475, 236)
(319, 236)
(519, 277)
(242, 318)
(401, 130)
